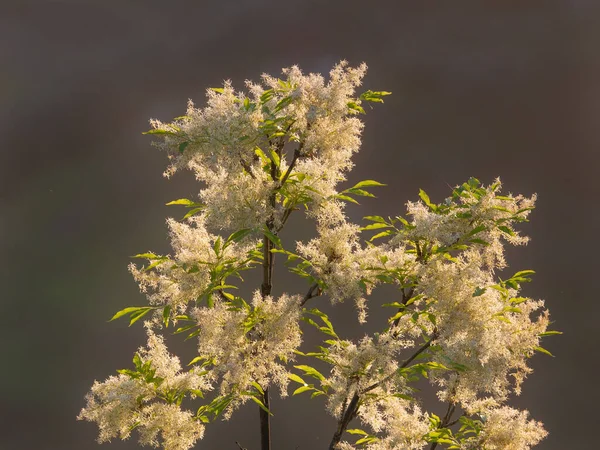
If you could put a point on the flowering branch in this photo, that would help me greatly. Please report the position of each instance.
(447, 253)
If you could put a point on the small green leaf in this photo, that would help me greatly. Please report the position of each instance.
(192, 212)
(125, 311)
(185, 202)
(302, 389)
(479, 291)
(311, 371)
(506, 230)
(296, 378)
(147, 256)
(346, 198)
(550, 333)
(261, 405)
(258, 387)
(239, 235)
(377, 219)
(166, 315)
(476, 230)
(160, 132)
(138, 315)
(367, 183)
(543, 350)
(357, 431)
(272, 237)
(423, 195)
(183, 146)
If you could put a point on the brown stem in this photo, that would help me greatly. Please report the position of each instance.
(265, 423)
(267, 285)
(445, 421)
(424, 347)
(288, 172)
(345, 419)
(352, 409)
(314, 291)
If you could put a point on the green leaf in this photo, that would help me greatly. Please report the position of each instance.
(272, 237)
(160, 132)
(258, 387)
(311, 371)
(147, 256)
(357, 431)
(476, 230)
(183, 146)
(195, 360)
(382, 234)
(366, 183)
(239, 235)
(506, 230)
(125, 311)
(138, 315)
(523, 273)
(185, 202)
(360, 192)
(261, 405)
(543, 350)
(218, 90)
(353, 106)
(377, 219)
(479, 291)
(275, 158)
(479, 241)
(192, 212)
(302, 389)
(166, 315)
(550, 333)
(346, 198)
(296, 378)
(374, 96)
(423, 195)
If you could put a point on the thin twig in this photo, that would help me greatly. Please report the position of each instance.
(404, 364)
(446, 421)
(351, 410)
(311, 293)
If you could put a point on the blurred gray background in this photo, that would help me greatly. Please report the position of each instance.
(481, 89)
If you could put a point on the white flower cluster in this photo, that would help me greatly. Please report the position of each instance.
(480, 330)
(219, 142)
(347, 269)
(401, 422)
(506, 428)
(483, 207)
(337, 259)
(250, 343)
(127, 401)
(356, 367)
(179, 279)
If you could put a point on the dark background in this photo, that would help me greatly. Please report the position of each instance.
(485, 89)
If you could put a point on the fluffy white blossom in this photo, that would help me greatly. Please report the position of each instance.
(506, 428)
(453, 221)
(357, 367)
(479, 328)
(228, 142)
(177, 428)
(402, 423)
(184, 277)
(140, 400)
(251, 343)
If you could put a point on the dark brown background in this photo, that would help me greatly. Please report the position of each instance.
(481, 89)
